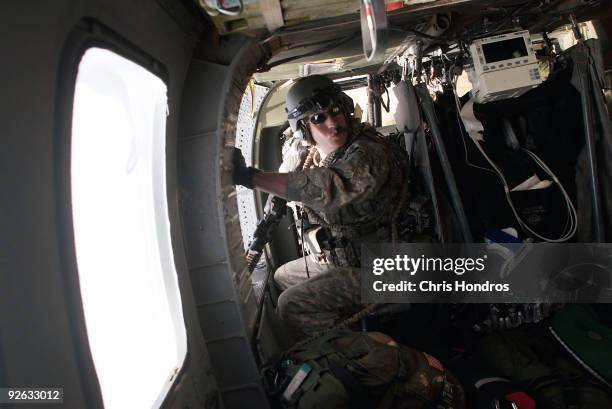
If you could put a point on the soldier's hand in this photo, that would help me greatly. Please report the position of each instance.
(241, 174)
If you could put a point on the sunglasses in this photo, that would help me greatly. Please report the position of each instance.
(321, 117)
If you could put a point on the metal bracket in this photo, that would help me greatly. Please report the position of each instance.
(272, 14)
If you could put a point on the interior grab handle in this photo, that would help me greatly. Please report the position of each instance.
(374, 30)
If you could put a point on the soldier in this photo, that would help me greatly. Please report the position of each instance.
(352, 187)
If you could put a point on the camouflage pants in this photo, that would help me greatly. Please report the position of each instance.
(322, 301)
(294, 272)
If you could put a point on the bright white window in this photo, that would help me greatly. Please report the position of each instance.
(126, 267)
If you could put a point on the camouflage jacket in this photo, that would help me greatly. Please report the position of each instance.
(356, 191)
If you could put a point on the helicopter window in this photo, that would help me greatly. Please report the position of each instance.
(127, 277)
(359, 96)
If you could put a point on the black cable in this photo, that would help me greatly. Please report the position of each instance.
(416, 33)
(476, 32)
(511, 16)
(267, 67)
(388, 100)
(303, 248)
(293, 47)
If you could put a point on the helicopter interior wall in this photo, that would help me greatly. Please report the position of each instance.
(270, 147)
(39, 291)
(272, 112)
(224, 296)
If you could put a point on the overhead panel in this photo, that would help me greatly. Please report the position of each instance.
(269, 15)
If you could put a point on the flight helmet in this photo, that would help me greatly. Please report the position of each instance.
(311, 94)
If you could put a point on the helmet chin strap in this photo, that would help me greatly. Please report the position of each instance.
(306, 132)
(348, 115)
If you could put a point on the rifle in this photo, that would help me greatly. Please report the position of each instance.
(274, 211)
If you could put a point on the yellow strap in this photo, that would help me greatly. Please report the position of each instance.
(252, 90)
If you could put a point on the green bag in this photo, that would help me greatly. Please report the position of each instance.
(532, 357)
(344, 369)
(585, 337)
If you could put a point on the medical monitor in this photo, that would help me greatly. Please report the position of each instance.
(505, 66)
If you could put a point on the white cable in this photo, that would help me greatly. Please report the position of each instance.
(571, 222)
(572, 218)
(572, 213)
(459, 124)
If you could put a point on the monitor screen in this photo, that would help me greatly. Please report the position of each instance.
(504, 50)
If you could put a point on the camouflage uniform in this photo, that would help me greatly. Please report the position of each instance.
(355, 193)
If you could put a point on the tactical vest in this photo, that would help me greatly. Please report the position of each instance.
(344, 369)
(408, 220)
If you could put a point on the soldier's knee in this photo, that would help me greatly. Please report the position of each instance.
(293, 303)
(277, 275)
(280, 278)
(285, 308)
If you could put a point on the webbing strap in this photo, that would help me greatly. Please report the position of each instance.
(358, 396)
(316, 349)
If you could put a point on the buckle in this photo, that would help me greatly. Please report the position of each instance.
(446, 400)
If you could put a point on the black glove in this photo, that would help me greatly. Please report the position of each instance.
(241, 174)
